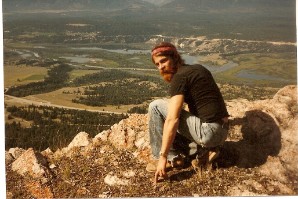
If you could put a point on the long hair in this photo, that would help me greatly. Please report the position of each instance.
(167, 49)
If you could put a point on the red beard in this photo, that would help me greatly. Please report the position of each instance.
(168, 74)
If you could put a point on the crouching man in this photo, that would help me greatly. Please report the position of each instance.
(204, 123)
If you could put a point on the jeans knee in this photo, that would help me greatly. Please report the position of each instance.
(154, 105)
(158, 106)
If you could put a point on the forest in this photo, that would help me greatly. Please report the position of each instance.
(53, 127)
(107, 87)
(119, 88)
(57, 78)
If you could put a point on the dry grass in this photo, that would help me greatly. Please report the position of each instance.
(18, 75)
(62, 99)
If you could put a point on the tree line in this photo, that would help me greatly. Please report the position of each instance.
(57, 78)
(53, 127)
(119, 88)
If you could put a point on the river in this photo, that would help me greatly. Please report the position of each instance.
(189, 59)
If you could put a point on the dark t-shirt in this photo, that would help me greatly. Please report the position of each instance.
(200, 91)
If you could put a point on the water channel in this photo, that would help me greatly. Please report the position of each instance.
(189, 59)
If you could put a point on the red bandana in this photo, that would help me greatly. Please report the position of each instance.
(163, 49)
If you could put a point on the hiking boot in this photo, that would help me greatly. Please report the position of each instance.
(177, 162)
(211, 153)
(201, 157)
(200, 162)
(204, 159)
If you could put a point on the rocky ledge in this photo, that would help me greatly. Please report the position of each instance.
(259, 158)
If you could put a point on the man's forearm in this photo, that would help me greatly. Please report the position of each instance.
(169, 133)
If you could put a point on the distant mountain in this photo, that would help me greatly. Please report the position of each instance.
(241, 19)
(191, 4)
(104, 5)
(141, 5)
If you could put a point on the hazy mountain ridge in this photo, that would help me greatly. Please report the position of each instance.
(105, 5)
(177, 5)
(222, 4)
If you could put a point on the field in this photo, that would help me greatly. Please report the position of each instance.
(65, 100)
(17, 75)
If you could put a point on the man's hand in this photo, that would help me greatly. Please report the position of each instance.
(161, 169)
(169, 133)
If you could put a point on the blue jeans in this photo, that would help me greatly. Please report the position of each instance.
(190, 126)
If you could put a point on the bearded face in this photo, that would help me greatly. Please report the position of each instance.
(168, 73)
(166, 67)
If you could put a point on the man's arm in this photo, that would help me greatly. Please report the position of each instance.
(169, 132)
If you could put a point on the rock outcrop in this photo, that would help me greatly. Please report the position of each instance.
(263, 135)
(261, 132)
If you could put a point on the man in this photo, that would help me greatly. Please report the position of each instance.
(204, 123)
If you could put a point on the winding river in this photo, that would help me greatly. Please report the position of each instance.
(189, 59)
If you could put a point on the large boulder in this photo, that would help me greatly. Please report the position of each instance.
(82, 139)
(131, 134)
(32, 164)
